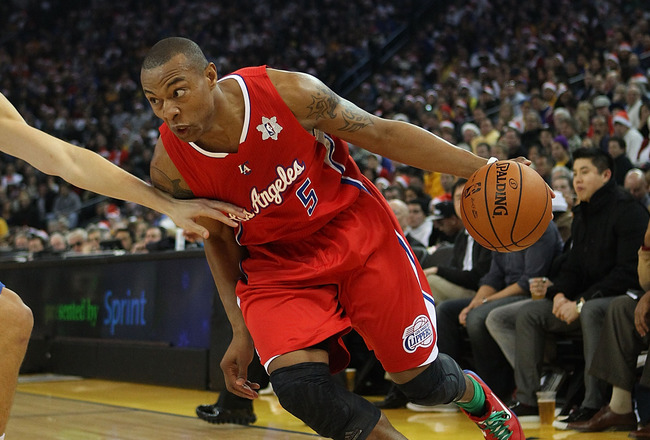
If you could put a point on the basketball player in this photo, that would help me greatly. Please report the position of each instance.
(320, 251)
(88, 170)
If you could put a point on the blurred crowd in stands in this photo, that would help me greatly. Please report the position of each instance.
(499, 77)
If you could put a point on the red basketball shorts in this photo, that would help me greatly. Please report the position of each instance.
(356, 272)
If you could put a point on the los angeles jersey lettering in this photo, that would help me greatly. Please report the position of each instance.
(291, 182)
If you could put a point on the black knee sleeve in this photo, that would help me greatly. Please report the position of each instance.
(442, 382)
(309, 392)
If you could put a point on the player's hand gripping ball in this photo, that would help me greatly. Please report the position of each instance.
(506, 206)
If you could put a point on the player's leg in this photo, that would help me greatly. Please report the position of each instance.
(17, 322)
(389, 303)
(437, 379)
(303, 351)
(306, 388)
(442, 382)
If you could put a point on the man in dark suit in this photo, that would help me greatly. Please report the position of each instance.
(460, 275)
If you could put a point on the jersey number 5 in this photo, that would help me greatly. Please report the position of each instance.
(307, 196)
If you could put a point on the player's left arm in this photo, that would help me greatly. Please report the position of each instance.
(317, 107)
(224, 255)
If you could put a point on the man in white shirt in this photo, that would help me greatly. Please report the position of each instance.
(420, 225)
(633, 103)
(633, 139)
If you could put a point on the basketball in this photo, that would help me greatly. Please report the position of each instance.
(506, 206)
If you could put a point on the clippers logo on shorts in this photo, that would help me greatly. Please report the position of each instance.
(420, 334)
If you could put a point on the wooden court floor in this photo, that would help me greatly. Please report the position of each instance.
(54, 408)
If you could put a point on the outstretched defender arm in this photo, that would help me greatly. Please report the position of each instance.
(88, 170)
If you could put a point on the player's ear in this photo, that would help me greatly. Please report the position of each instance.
(211, 73)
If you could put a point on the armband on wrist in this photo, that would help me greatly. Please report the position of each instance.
(579, 305)
(492, 160)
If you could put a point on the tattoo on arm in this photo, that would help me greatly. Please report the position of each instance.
(323, 105)
(354, 120)
(171, 186)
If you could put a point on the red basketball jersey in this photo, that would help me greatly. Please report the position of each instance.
(290, 181)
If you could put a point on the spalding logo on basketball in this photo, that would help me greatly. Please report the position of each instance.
(506, 206)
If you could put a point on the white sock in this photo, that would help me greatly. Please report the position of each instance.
(620, 403)
(2, 437)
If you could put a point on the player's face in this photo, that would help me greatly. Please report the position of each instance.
(180, 95)
(587, 179)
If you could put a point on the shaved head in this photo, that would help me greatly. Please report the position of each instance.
(166, 49)
(636, 184)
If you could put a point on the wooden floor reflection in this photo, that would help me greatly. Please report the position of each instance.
(90, 409)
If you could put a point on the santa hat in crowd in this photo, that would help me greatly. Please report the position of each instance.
(549, 85)
(447, 124)
(622, 118)
(470, 126)
(601, 101)
(624, 47)
(402, 180)
(639, 78)
(611, 57)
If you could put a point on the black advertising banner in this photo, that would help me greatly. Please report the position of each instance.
(164, 297)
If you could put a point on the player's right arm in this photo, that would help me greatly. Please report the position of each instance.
(224, 255)
(87, 169)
